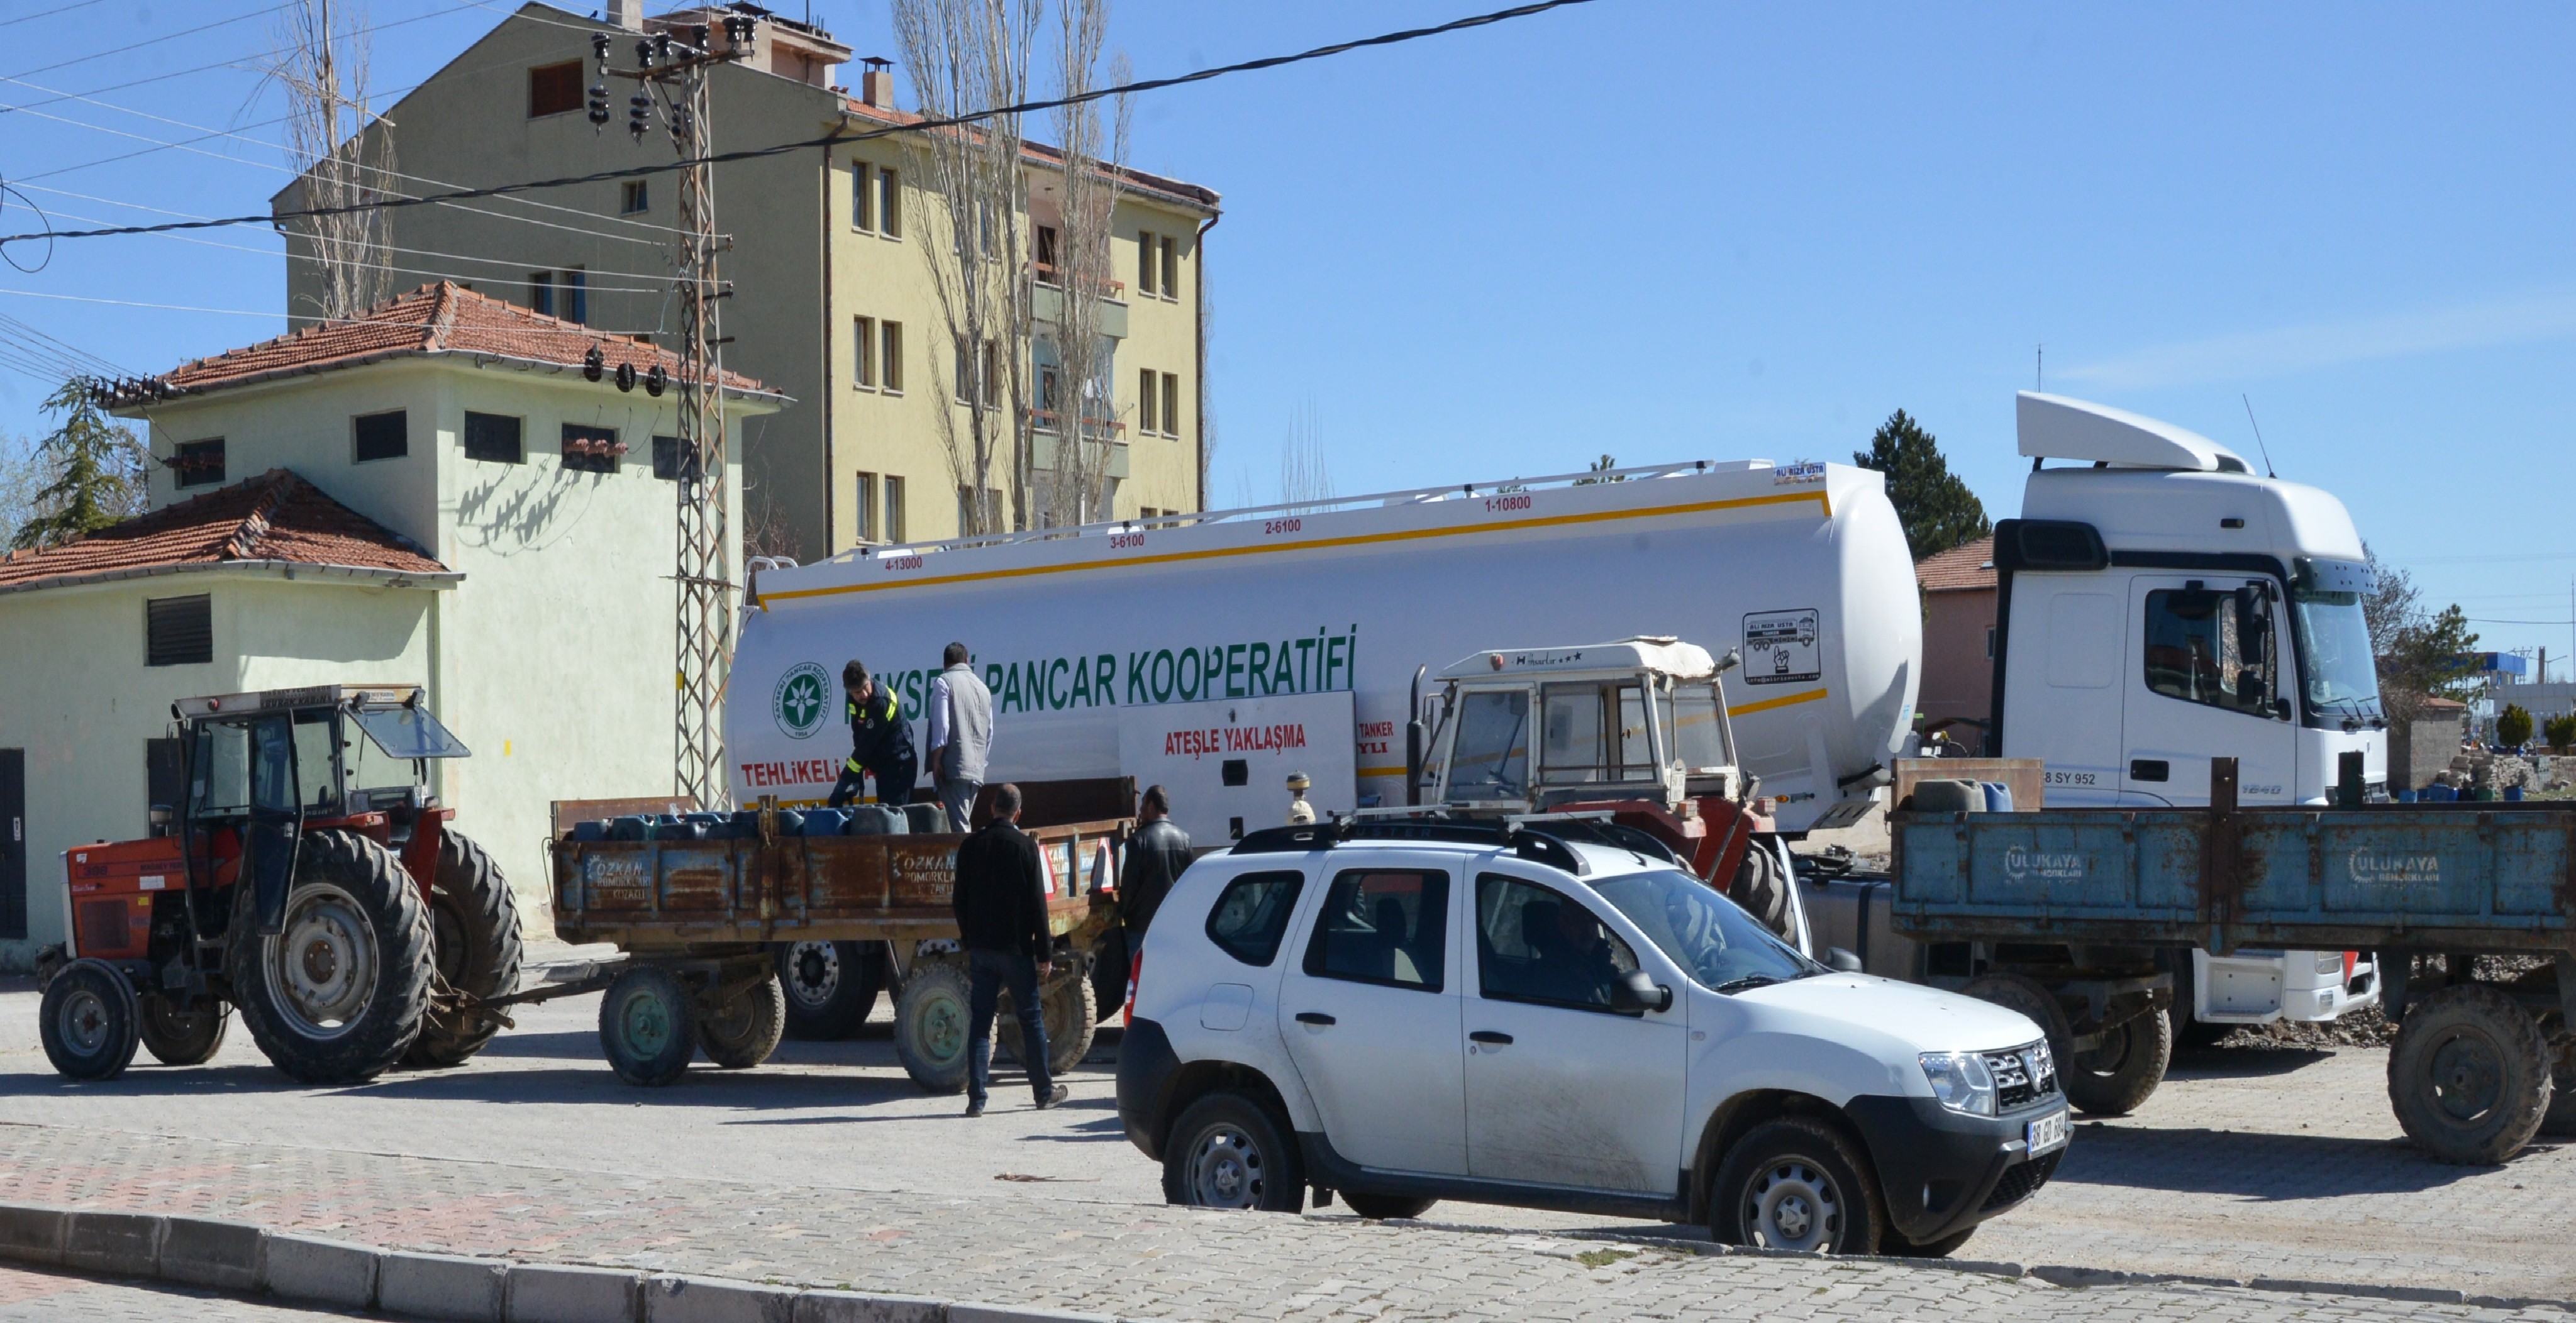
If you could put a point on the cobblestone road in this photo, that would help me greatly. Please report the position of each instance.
(832, 1170)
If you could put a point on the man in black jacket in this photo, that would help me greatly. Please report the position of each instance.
(1157, 855)
(1001, 905)
(880, 742)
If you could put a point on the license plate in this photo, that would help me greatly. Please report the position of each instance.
(2046, 1133)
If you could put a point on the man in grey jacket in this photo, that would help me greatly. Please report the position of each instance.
(960, 738)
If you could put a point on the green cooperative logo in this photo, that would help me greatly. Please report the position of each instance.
(801, 700)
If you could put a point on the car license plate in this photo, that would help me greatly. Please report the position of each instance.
(2046, 1133)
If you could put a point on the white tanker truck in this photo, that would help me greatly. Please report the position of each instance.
(2146, 598)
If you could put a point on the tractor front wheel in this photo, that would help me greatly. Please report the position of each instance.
(89, 1020)
(183, 1038)
(474, 925)
(338, 996)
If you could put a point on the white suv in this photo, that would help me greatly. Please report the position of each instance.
(1555, 1015)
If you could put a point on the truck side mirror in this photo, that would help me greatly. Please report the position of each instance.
(1637, 993)
(1841, 961)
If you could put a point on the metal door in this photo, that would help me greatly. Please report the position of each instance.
(276, 818)
(2204, 681)
(1370, 1013)
(13, 844)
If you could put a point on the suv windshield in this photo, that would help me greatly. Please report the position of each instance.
(1723, 948)
(2335, 667)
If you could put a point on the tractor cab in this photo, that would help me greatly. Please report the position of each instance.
(327, 755)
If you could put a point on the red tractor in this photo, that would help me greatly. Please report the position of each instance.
(307, 879)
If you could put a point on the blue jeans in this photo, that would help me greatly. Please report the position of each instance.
(988, 973)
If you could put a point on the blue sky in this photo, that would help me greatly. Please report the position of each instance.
(1671, 231)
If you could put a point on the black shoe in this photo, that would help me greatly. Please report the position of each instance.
(1061, 1093)
(975, 1107)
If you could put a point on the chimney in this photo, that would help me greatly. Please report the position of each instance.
(627, 14)
(876, 86)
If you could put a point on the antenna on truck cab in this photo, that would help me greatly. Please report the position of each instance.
(2258, 436)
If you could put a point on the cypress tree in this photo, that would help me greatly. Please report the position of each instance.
(1936, 508)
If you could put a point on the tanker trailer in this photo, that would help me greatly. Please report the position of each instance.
(1082, 632)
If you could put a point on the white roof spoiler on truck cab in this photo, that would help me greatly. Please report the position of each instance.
(2055, 427)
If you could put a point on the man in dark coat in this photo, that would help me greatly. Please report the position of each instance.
(1157, 855)
(880, 742)
(1001, 906)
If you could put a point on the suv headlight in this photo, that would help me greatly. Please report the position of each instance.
(1961, 1081)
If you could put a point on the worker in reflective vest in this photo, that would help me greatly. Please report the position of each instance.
(880, 742)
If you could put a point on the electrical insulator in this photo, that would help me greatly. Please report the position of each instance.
(626, 376)
(599, 47)
(644, 52)
(656, 380)
(662, 46)
(599, 105)
(698, 37)
(639, 115)
(591, 363)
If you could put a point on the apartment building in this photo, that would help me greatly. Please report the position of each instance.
(833, 303)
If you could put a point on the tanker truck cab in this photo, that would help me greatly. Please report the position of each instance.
(2163, 604)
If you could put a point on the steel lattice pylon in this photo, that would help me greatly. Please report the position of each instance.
(705, 578)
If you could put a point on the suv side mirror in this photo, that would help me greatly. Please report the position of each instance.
(1638, 993)
(1841, 961)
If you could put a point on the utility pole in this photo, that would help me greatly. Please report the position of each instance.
(673, 73)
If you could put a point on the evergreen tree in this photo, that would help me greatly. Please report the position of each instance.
(94, 471)
(1938, 510)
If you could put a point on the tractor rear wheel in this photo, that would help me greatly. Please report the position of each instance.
(338, 996)
(1067, 1008)
(89, 1020)
(831, 987)
(183, 1038)
(474, 925)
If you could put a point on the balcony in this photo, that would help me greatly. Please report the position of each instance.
(1045, 447)
(1046, 302)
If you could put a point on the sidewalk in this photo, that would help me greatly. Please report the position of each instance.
(1062, 1253)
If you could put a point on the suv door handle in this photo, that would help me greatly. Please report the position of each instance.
(1489, 1036)
(1314, 1017)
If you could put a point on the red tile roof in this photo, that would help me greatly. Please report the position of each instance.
(443, 318)
(1961, 569)
(276, 516)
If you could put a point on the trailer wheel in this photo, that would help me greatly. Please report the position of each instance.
(89, 1020)
(648, 1026)
(2559, 1122)
(2021, 992)
(2116, 1078)
(474, 928)
(2469, 1075)
(931, 1025)
(182, 1038)
(338, 997)
(743, 1031)
(831, 987)
(1072, 1015)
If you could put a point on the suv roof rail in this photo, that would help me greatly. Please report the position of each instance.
(1536, 846)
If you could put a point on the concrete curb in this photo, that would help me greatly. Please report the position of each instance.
(246, 1258)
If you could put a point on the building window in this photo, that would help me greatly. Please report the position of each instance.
(1171, 404)
(965, 374)
(554, 89)
(1170, 284)
(894, 522)
(575, 287)
(380, 436)
(668, 463)
(1046, 397)
(179, 631)
(541, 292)
(634, 198)
(199, 464)
(863, 208)
(865, 510)
(588, 449)
(992, 373)
(890, 339)
(863, 330)
(889, 205)
(1046, 255)
(969, 509)
(1145, 266)
(493, 437)
(1147, 400)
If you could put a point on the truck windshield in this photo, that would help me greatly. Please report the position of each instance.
(1491, 757)
(2335, 665)
(1699, 740)
(1723, 948)
(408, 732)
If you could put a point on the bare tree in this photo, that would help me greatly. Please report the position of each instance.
(1076, 488)
(321, 62)
(1304, 481)
(969, 55)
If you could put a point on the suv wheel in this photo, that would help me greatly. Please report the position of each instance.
(1227, 1152)
(1795, 1184)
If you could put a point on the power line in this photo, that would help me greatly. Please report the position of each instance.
(148, 41)
(293, 256)
(573, 329)
(58, 9)
(781, 149)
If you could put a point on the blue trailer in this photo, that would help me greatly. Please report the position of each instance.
(2061, 914)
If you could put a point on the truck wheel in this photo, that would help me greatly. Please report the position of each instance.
(1384, 1207)
(742, 1032)
(2469, 1075)
(1071, 1017)
(339, 996)
(2117, 1077)
(2190, 1034)
(1795, 1184)
(2021, 992)
(474, 926)
(1227, 1152)
(89, 1020)
(931, 1026)
(648, 1026)
(2559, 1122)
(831, 987)
(182, 1038)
